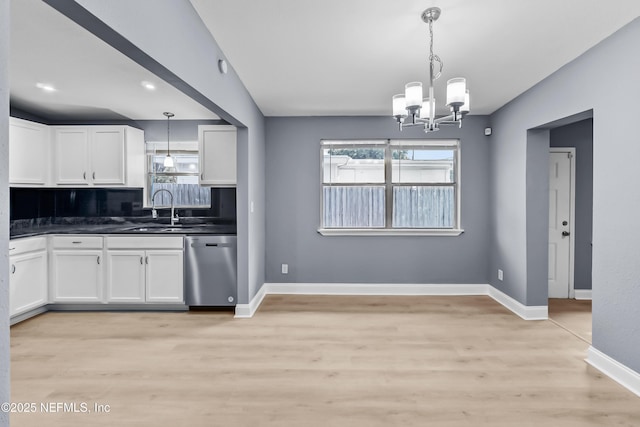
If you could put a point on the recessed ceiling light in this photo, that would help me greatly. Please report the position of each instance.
(46, 87)
(148, 85)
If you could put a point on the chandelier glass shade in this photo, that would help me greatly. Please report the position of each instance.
(411, 109)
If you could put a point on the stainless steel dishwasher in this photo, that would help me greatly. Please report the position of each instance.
(210, 270)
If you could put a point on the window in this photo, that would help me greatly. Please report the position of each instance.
(181, 180)
(390, 186)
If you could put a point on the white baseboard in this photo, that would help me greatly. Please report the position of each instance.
(527, 312)
(245, 311)
(615, 370)
(582, 294)
(373, 289)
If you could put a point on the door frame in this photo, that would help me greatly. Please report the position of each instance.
(572, 212)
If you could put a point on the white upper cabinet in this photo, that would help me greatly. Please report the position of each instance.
(217, 150)
(99, 155)
(72, 151)
(108, 150)
(28, 153)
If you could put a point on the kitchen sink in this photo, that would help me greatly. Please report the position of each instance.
(147, 228)
(163, 228)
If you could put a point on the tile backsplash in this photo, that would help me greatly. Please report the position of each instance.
(32, 203)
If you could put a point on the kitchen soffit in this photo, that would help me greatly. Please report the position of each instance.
(93, 81)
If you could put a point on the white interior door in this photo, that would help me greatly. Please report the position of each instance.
(561, 178)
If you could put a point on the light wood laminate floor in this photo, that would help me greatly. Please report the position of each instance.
(573, 315)
(315, 361)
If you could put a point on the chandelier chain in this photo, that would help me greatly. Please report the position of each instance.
(433, 58)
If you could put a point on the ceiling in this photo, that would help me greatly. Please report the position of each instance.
(304, 58)
(338, 57)
(93, 80)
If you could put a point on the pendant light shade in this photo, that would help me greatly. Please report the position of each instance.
(413, 94)
(399, 105)
(168, 161)
(425, 111)
(456, 90)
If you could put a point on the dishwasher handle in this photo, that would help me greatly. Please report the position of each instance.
(211, 245)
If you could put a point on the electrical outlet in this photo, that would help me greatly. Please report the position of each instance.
(285, 268)
(500, 275)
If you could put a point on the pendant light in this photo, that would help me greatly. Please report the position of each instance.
(168, 161)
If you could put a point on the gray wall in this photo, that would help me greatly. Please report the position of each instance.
(293, 210)
(537, 199)
(580, 136)
(616, 230)
(170, 39)
(4, 209)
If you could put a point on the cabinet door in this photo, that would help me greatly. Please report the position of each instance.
(71, 145)
(164, 276)
(217, 151)
(107, 155)
(76, 276)
(28, 282)
(28, 152)
(125, 276)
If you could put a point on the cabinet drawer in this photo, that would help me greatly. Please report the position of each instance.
(77, 242)
(150, 242)
(29, 244)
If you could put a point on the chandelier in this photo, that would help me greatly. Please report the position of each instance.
(421, 111)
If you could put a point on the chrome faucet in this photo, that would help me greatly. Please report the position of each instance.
(154, 212)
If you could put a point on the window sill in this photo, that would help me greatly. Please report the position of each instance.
(389, 232)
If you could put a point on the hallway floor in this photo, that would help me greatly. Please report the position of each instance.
(572, 315)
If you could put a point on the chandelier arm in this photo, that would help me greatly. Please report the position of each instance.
(418, 122)
(445, 119)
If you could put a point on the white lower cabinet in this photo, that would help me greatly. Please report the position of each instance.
(76, 275)
(77, 268)
(145, 269)
(165, 282)
(95, 269)
(28, 275)
(126, 276)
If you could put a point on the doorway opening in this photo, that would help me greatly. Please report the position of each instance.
(570, 226)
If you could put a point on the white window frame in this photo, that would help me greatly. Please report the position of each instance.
(159, 148)
(389, 145)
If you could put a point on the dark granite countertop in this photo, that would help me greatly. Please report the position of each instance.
(113, 225)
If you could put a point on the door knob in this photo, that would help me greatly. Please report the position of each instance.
(565, 233)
